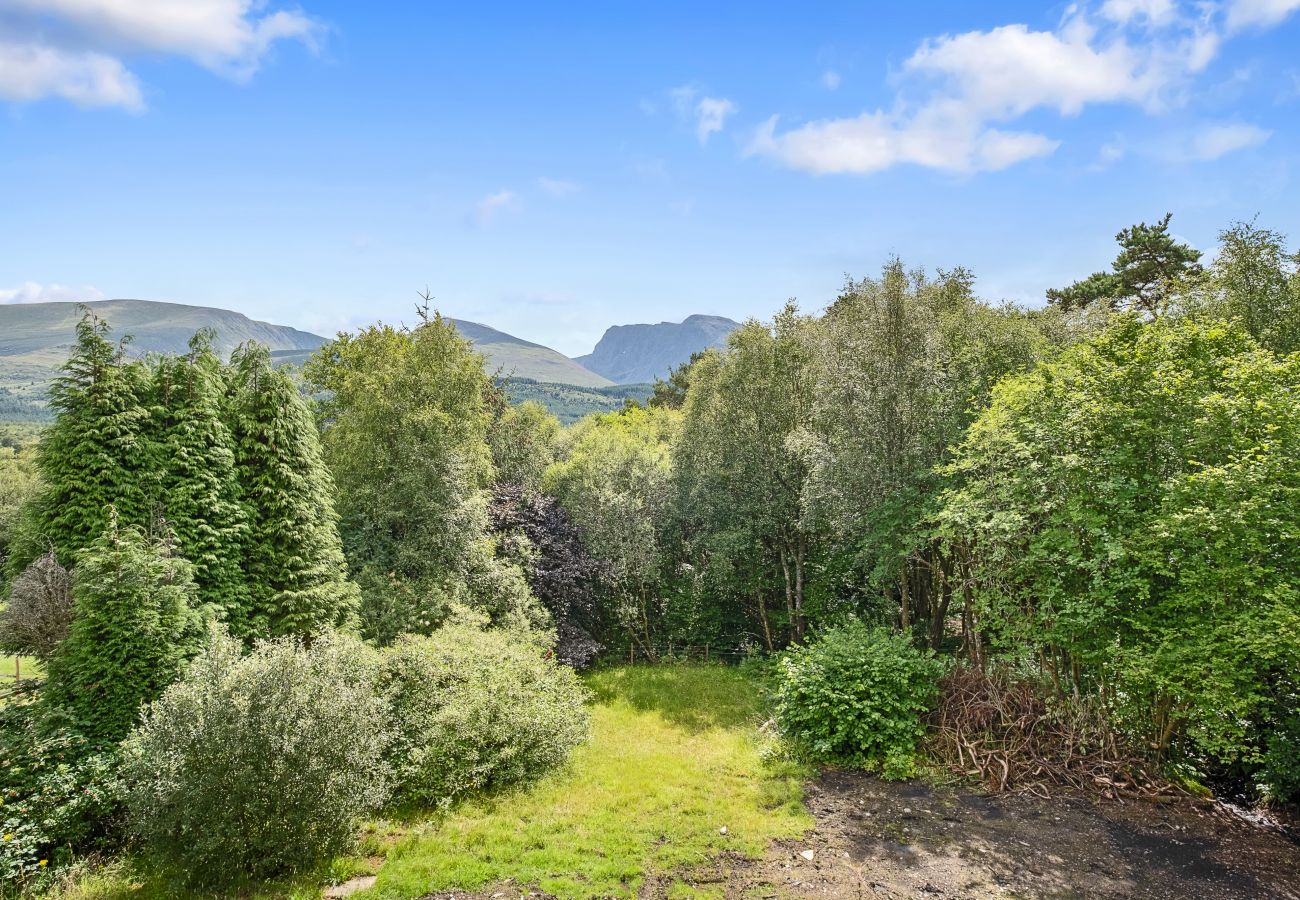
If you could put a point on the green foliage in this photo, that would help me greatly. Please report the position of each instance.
(475, 710)
(292, 558)
(569, 402)
(857, 695)
(1126, 514)
(20, 483)
(134, 625)
(198, 488)
(404, 421)
(1149, 267)
(739, 472)
(260, 764)
(98, 454)
(613, 479)
(1253, 280)
(59, 795)
(522, 439)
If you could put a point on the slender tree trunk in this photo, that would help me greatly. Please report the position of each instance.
(789, 595)
(762, 617)
(905, 600)
(801, 553)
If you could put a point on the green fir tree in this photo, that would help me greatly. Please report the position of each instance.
(293, 560)
(199, 492)
(135, 623)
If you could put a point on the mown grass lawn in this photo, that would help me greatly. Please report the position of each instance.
(675, 756)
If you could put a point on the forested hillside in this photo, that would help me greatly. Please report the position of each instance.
(1045, 550)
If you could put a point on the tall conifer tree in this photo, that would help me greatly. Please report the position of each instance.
(97, 453)
(134, 625)
(199, 492)
(293, 560)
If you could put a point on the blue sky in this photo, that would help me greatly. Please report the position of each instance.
(553, 169)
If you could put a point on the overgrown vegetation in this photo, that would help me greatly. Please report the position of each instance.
(1082, 517)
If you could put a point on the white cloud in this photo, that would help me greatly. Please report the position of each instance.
(30, 71)
(1156, 12)
(830, 80)
(490, 207)
(708, 113)
(558, 187)
(34, 292)
(957, 94)
(1220, 140)
(86, 63)
(937, 139)
(1258, 13)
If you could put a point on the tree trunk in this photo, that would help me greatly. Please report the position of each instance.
(801, 552)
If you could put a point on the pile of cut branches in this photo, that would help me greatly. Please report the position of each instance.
(1013, 736)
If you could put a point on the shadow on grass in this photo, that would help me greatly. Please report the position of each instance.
(696, 697)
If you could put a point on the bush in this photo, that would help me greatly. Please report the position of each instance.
(258, 765)
(58, 795)
(856, 695)
(478, 709)
(39, 612)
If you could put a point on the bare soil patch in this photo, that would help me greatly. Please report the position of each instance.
(878, 839)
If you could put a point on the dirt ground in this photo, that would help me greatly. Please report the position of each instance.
(877, 839)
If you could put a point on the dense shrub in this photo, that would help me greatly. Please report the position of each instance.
(39, 611)
(856, 695)
(260, 764)
(477, 709)
(57, 795)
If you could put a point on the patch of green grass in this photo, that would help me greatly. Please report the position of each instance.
(11, 666)
(675, 756)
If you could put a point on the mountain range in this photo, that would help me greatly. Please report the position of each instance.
(631, 354)
(35, 339)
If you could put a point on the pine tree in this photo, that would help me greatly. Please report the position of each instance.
(135, 622)
(293, 560)
(97, 453)
(1150, 263)
(199, 494)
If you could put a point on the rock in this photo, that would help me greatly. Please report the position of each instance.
(807, 854)
(349, 887)
(722, 830)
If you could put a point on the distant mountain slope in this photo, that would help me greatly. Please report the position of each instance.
(514, 357)
(631, 354)
(35, 339)
(43, 332)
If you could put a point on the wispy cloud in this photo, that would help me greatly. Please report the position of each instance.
(708, 114)
(76, 49)
(34, 292)
(1259, 13)
(1215, 141)
(558, 187)
(960, 96)
(830, 80)
(490, 208)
